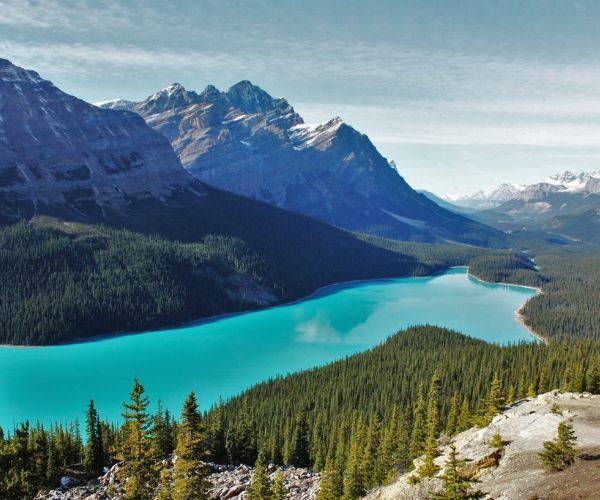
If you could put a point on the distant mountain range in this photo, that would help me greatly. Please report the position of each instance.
(583, 183)
(245, 141)
(565, 205)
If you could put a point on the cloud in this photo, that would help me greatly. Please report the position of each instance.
(318, 331)
(98, 59)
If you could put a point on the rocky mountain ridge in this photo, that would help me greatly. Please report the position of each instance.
(581, 183)
(59, 154)
(245, 141)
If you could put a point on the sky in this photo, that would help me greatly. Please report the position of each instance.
(463, 95)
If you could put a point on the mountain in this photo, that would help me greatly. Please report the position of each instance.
(482, 200)
(245, 141)
(563, 208)
(581, 183)
(132, 241)
(444, 203)
(61, 155)
(583, 226)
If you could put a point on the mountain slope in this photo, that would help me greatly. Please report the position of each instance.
(134, 241)
(247, 142)
(59, 154)
(517, 471)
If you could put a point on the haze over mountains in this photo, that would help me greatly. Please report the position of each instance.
(245, 141)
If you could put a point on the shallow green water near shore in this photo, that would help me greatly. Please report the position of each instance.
(220, 358)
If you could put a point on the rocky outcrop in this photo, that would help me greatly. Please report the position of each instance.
(60, 154)
(226, 482)
(517, 472)
(245, 141)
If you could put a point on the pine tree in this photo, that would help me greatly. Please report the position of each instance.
(531, 391)
(510, 397)
(278, 487)
(497, 442)
(560, 453)
(93, 453)
(495, 400)
(138, 473)
(317, 448)
(299, 450)
(388, 455)
(455, 485)
(578, 378)
(260, 487)
(354, 477)
(452, 421)
(543, 383)
(373, 475)
(216, 436)
(53, 471)
(165, 485)
(418, 435)
(428, 468)
(592, 381)
(190, 472)
(464, 418)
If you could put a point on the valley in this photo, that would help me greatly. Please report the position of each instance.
(203, 296)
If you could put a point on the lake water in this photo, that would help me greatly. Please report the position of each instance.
(220, 358)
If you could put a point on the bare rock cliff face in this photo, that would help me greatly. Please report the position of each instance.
(59, 153)
(247, 142)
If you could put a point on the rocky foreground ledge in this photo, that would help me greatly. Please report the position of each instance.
(513, 473)
(227, 482)
(517, 472)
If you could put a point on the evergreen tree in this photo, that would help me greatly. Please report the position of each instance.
(162, 433)
(216, 436)
(495, 400)
(53, 470)
(373, 474)
(354, 476)
(190, 472)
(278, 488)
(455, 485)
(592, 381)
(531, 391)
(464, 418)
(388, 452)
(497, 442)
(260, 487)
(510, 397)
(299, 451)
(418, 435)
(452, 421)
(560, 453)
(543, 383)
(93, 454)
(138, 473)
(428, 468)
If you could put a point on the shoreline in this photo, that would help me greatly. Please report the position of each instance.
(519, 318)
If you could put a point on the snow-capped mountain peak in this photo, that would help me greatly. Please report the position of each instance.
(565, 182)
(573, 181)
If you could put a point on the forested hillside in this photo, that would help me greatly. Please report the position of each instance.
(155, 265)
(358, 420)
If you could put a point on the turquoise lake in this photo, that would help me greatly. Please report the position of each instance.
(221, 357)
